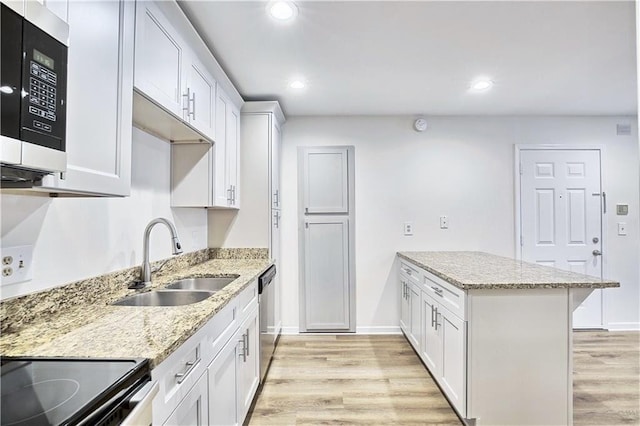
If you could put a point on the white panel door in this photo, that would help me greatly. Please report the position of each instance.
(405, 305)
(276, 202)
(561, 220)
(222, 193)
(233, 147)
(248, 365)
(222, 379)
(415, 329)
(326, 180)
(326, 273)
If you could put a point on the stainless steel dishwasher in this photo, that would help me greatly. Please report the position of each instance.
(266, 304)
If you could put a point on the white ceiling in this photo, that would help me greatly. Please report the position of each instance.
(418, 57)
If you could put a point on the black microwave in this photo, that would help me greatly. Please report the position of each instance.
(33, 88)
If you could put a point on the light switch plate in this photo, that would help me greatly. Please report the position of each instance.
(444, 222)
(622, 228)
(408, 228)
(16, 264)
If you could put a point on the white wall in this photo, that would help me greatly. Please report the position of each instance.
(462, 167)
(77, 238)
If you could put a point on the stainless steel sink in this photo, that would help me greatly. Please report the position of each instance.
(204, 283)
(165, 298)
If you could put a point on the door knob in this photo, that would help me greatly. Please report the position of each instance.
(597, 253)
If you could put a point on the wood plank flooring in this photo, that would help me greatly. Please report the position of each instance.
(379, 380)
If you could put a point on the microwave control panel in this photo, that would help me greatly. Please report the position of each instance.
(42, 95)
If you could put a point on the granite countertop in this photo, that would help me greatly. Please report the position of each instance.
(476, 270)
(101, 330)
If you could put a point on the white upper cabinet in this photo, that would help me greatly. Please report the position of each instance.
(99, 100)
(172, 78)
(159, 59)
(232, 139)
(201, 98)
(326, 181)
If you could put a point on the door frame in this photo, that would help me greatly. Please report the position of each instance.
(352, 239)
(518, 148)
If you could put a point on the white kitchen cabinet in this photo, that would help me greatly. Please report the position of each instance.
(193, 410)
(430, 350)
(171, 78)
(276, 142)
(207, 176)
(405, 305)
(249, 364)
(99, 100)
(415, 329)
(223, 381)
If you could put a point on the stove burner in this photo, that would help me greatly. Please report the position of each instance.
(31, 403)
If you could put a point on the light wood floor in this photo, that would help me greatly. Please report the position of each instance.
(354, 379)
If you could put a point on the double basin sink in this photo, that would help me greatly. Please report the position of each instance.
(181, 292)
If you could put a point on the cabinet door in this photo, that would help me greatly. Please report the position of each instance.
(275, 255)
(223, 382)
(201, 98)
(416, 322)
(326, 273)
(159, 59)
(233, 147)
(194, 408)
(326, 181)
(99, 99)
(453, 372)
(249, 368)
(405, 306)
(222, 193)
(431, 352)
(276, 201)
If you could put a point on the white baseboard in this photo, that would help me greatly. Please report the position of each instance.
(623, 326)
(379, 330)
(359, 330)
(290, 330)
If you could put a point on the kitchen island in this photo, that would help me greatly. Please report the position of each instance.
(495, 333)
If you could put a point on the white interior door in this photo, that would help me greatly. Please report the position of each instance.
(561, 220)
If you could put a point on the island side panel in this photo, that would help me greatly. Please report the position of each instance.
(519, 359)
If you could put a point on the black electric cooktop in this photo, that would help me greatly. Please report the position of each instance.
(64, 391)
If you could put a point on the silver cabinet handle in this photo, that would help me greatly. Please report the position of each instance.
(246, 345)
(408, 271)
(604, 200)
(188, 98)
(193, 102)
(437, 290)
(243, 354)
(437, 313)
(433, 319)
(190, 366)
(233, 195)
(229, 195)
(597, 253)
(276, 198)
(276, 217)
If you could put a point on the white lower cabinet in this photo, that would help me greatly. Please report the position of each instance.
(213, 377)
(193, 410)
(437, 334)
(443, 349)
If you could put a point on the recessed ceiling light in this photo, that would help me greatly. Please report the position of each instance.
(282, 10)
(297, 84)
(481, 85)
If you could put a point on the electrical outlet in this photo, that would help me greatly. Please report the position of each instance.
(444, 222)
(622, 228)
(16, 264)
(408, 228)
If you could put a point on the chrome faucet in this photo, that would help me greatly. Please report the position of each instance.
(145, 275)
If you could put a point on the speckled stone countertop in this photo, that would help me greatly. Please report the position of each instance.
(476, 270)
(98, 329)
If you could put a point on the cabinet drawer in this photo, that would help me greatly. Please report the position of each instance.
(247, 299)
(221, 327)
(446, 294)
(410, 272)
(177, 374)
